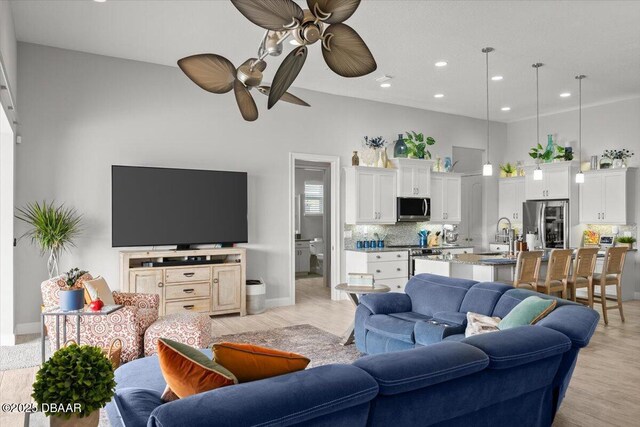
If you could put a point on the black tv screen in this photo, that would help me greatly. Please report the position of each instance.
(160, 206)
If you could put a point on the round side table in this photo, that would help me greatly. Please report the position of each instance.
(354, 293)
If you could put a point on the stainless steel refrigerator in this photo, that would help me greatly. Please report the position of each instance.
(549, 219)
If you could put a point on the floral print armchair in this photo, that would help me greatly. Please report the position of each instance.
(129, 323)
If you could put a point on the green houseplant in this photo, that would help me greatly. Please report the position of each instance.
(72, 297)
(417, 145)
(73, 385)
(626, 241)
(508, 169)
(53, 229)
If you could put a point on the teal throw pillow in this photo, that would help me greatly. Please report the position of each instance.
(528, 312)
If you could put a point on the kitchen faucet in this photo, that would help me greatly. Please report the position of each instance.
(510, 232)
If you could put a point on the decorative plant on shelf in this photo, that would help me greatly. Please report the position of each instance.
(508, 169)
(623, 154)
(563, 153)
(77, 378)
(626, 241)
(417, 145)
(377, 155)
(53, 229)
(540, 153)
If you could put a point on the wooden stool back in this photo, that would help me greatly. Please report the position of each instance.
(557, 272)
(611, 275)
(527, 269)
(614, 260)
(582, 276)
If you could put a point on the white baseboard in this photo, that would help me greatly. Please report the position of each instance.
(277, 302)
(28, 328)
(7, 339)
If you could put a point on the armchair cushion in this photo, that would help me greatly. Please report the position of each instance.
(392, 302)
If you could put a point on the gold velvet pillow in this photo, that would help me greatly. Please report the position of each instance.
(187, 371)
(251, 362)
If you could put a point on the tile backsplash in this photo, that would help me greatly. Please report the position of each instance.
(402, 233)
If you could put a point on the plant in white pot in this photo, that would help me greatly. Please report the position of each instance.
(73, 385)
(53, 229)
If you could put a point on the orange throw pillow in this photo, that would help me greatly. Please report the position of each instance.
(187, 371)
(251, 362)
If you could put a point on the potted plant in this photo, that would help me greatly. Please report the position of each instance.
(417, 145)
(72, 297)
(618, 158)
(507, 170)
(73, 385)
(563, 154)
(53, 229)
(540, 153)
(627, 241)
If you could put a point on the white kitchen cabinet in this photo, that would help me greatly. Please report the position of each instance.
(606, 196)
(370, 195)
(446, 194)
(510, 198)
(303, 257)
(457, 251)
(390, 268)
(414, 177)
(555, 183)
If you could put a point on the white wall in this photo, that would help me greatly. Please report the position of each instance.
(608, 126)
(7, 147)
(8, 45)
(81, 113)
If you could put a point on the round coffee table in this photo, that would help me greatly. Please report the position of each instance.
(354, 292)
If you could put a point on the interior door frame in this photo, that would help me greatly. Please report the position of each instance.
(335, 232)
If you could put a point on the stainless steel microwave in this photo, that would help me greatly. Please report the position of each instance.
(414, 209)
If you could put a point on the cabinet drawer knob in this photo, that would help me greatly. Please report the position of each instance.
(378, 271)
(378, 256)
(398, 286)
(215, 280)
(399, 256)
(188, 307)
(398, 269)
(188, 291)
(189, 274)
(160, 284)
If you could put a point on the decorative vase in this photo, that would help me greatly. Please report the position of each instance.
(71, 299)
(605, 163)
(617, 163)
(447, 164)
(400, 148)
(355, 160)
(382, 157)
(368, 157)
(550, 146)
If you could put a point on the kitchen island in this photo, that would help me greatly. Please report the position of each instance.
(482, 268)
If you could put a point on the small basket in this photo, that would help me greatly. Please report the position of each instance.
(112, 352)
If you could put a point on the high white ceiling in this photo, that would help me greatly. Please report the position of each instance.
(598, 38)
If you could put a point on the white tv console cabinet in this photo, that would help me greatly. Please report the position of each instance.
(210, 281)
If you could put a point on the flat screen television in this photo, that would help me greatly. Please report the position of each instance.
(160, 206)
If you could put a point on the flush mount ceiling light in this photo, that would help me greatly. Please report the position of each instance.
(385, 81)
(487, 169)
(537, 174)
(100, 1)
(506, 109)
(496, 78)
(343, 50)
(441, 64)
(439, 95)
(580, 175)
(565, 95)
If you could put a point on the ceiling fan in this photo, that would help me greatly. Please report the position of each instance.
(343, 50)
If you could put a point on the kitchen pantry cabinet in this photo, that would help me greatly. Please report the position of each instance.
(555, 183)
(303, 257)
(446, 197)
(510, 198)
(414, 177)
(606, 196)
(370, 195)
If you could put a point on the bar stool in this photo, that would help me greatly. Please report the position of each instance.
(527, 269)
(582, 276)
(557, 272)
(611, 275)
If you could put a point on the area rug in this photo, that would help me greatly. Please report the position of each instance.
(23, 355)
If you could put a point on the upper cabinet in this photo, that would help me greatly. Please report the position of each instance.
(370, 195)
(555, 183)
(414, 177)
(446, 197)
(606, 196)
(510, 198)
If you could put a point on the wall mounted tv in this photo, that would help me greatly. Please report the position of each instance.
(161, 206)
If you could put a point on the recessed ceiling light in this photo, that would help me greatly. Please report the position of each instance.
(385, 85)
(99, 1)
(439, 95)
(441, 64)
(506, 108)
(565, 95)
(496, 78)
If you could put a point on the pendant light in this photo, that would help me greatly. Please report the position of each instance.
(487, 169)
(537, 174)
(580, 175)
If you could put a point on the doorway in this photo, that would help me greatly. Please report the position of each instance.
(7, 295)
(469, 162)
(314, 226)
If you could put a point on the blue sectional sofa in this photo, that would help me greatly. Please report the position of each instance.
(497, 379)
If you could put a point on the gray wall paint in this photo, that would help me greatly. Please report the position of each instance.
(81, 113)
(8, 45)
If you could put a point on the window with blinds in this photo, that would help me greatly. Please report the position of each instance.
(313, 198)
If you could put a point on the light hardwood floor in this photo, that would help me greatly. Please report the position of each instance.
(604, 389)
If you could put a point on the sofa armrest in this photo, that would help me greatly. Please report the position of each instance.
(292, 399)
(391, 302)
(137, 300)
(575, 321)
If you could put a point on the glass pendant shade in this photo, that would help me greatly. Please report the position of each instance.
(537, 174)
(580, 178)
(487, 170)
